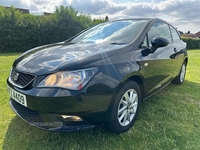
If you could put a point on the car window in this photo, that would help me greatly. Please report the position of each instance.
(144, 43)
(161, 30)
(123, 31)
(175, 35)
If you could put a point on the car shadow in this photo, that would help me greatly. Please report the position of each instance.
(21, 135)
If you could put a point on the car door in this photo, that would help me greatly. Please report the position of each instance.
(179, 48)
(159, 67)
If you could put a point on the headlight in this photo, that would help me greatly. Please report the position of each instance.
(74, 80)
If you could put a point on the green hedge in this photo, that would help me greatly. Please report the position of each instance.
(192, 43)
(20, 32)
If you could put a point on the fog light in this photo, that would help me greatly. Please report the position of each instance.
(71, 118)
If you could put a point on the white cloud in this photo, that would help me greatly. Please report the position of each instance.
(183, 14)
(95, 7)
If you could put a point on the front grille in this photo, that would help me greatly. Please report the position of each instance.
(21, 79)
(29, 115)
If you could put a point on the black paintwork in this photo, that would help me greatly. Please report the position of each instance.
(116, 64)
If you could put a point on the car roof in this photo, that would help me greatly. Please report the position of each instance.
(148, 19)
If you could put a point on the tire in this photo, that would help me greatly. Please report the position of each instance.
(181, 76)
(125, 107)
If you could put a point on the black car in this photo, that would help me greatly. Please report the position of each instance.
(97, 77)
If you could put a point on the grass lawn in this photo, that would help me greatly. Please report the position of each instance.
(168, 120)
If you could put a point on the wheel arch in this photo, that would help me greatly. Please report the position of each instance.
(186, 61)
(139, 81)
(135, 78)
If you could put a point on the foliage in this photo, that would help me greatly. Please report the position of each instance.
(20, 32)
(192, 43)
(169, 120)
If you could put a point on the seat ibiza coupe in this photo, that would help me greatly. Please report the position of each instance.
(100, 76)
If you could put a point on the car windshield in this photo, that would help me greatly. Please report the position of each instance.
(117, 32)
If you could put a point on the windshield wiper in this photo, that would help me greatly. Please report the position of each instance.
(117, 43)
(68, 42)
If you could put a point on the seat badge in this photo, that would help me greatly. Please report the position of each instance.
(16, 76)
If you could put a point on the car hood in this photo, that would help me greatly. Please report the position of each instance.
(54, 57)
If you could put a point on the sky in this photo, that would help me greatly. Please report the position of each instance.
(182, 14)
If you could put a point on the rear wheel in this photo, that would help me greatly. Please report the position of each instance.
(125, 107)
(181, 76)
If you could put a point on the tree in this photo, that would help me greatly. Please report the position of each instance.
(20, 32)
(106, 19)
(188, 32)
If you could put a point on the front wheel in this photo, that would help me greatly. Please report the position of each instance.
(181, 76)
(125, 107)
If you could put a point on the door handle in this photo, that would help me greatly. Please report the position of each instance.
(175, 50)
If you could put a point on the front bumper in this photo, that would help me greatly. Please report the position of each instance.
(52, 123)
(45, 105)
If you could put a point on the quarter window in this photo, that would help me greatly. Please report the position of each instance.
(144, 43)
(161, 30)
(175, 35)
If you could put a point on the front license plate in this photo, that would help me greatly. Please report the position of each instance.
(18, 97)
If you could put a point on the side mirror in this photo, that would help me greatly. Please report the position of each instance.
(158, 42)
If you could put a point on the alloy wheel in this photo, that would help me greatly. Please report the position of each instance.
(127, 107)
(182, 74)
